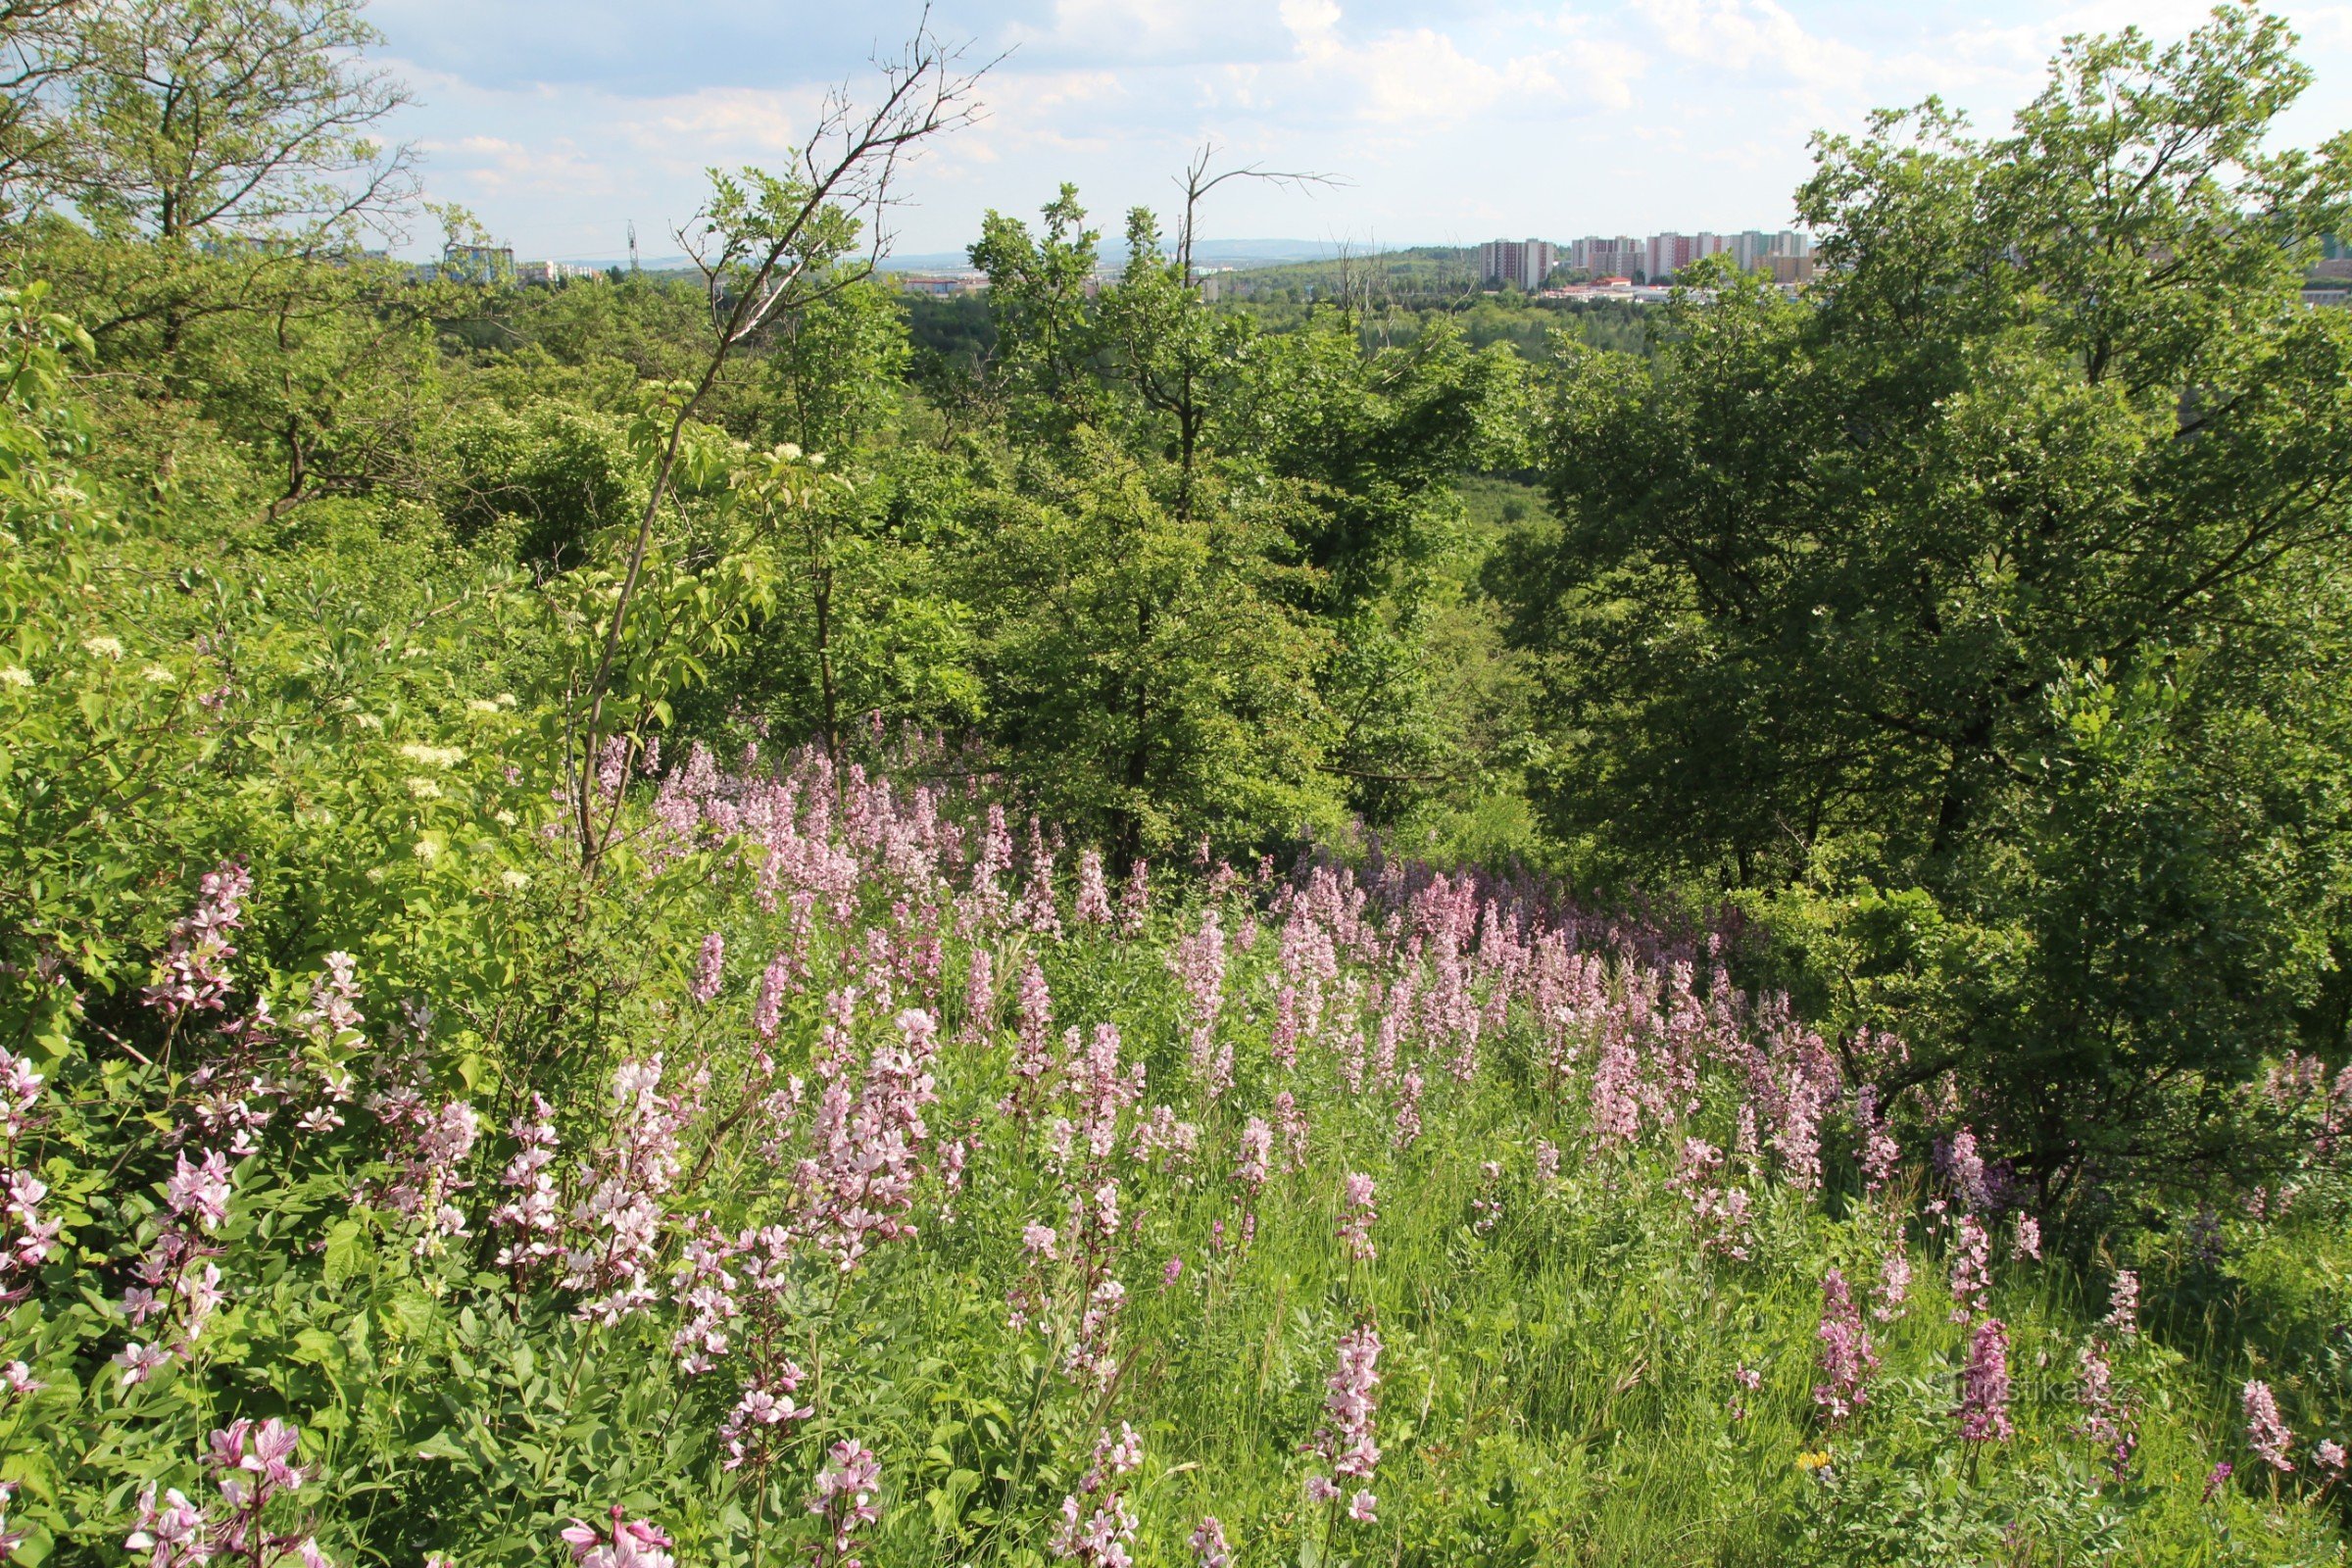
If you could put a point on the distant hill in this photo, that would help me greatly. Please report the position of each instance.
(1311, 256)
(1235, 253)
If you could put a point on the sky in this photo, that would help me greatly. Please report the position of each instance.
(1441, 122)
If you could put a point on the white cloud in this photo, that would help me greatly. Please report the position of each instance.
(1405, 77)
(1145, 31)
(1451, 118)
(1753, 35)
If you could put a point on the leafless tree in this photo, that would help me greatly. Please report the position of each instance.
(769, 243)
(1198, 182)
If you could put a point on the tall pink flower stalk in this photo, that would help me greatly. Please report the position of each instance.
(1848, 1359)
(1098, 1526)
(847, 1498)
(1346, 1441)
(1971, 1267)
(1033, 1045)
(252, 1466)
(1094, 893)
(858, 1184)
(1878, 1151)
(27, 1238)
(2123, 1305)
(635, 1544)
(2107, 1415)
(1984, 1385)
(1200, 964)
(196, 975)
(2266, 1433)
(179, 1285)
(1356, 1214)
(711, 968)
(1408, 1110)
(615, 1231)
(1135, 904)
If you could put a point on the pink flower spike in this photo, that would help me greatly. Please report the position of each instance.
(1984, 1385)
(713, 967)
(2266, 1433)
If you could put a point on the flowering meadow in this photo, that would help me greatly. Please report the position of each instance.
(582, 985)
(841, 1166)
(951, 1198)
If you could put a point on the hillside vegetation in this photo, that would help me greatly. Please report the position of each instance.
(646, 924)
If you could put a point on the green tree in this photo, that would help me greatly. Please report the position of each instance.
(1037, 300)
(1148, 672)
(836, 369)
(244, 117)
(1972, 606)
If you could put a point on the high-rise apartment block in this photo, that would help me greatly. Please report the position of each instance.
(1786, 255)
(1524, 261)
(1664, 256)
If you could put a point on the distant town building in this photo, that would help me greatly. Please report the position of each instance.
(1524, 261)
(477, 263)
(943, 283)
(1603, 256)
(1664, 256)
(547, 273)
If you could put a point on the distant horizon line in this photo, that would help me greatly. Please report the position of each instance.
(1255, 249)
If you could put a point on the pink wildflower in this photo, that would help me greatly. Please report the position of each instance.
(1356, 1214)
(2266, 1433)
(845, 1499)
(1967, 1170)
(768, 1012)
(1894, 1284)
(1799, 1141)
(1199, 963)
(1032, 1052)
(1408, 1110)
(1879, 1151)
(1135, 905)
(713, 967)
(1257, 1159)
(979, 994)
(1847, 1358)
(1210, 1547)
(1290, 1123)
(195, 965)
(175, 1534)
(1984, 1385)
(1100, 1536)
(1346, 1441)
(2123, 1305)
(860, 1178)
(1746, 1380)
(199, 1193)
(1094, 896)
(2106, 1414)
(634, 1544)
(1971, 1264)
(1616, 1115)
